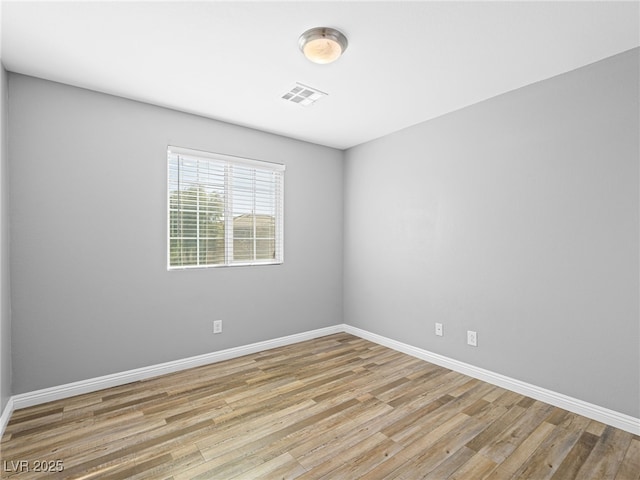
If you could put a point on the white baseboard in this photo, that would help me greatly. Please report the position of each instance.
(595, 412)
(45, 395)
(6, 415)
(589, 410)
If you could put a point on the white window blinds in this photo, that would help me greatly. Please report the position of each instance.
(223, 210)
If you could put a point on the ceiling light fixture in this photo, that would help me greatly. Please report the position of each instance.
(322, 44)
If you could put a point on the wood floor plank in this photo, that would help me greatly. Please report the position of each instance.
(478, 467)
(282, 467)
(459, 437)
(514, 462)
(630, 467)
(496, 428)
(336, 407)
(440, 417)
(576, 457)
(390, 468)
(327, 466)
(451, 464)
(368, 458)
(607, 455)
(548, 457)
(329, 436)
(503, 445)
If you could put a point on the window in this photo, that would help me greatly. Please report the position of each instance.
(223, 210)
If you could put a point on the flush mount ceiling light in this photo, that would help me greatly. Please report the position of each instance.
(322, 44)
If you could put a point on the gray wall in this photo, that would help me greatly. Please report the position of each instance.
(518, 218)
(90, 291)
(5, 310)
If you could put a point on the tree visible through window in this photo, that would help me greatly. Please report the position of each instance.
(223, 210)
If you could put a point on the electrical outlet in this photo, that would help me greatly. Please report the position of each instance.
(439, 330)
(472, 338)
(217, 326)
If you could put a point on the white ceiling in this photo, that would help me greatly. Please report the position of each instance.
(407, 61)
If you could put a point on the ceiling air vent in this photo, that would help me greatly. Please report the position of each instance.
(303, 95)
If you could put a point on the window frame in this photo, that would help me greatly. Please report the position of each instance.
(228, 162)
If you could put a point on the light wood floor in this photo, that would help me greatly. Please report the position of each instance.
(337, 407)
